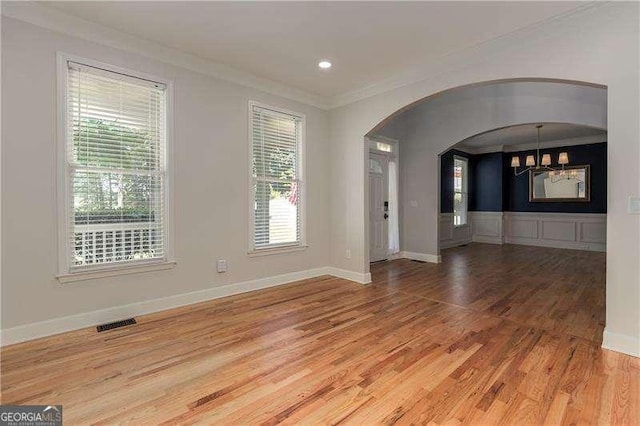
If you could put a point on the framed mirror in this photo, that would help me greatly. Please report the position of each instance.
(569, 185)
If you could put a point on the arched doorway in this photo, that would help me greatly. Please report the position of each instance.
(564, 56)
(432, 127)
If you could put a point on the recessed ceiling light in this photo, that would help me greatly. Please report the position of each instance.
(324, 64)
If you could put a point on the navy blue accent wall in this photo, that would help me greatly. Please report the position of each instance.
(486, 183)
(446, 179)
(493, 187)
(594, 155)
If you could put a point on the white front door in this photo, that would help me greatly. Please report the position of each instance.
(378, 207)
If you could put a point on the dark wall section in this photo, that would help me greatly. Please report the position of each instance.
(486, 182)
(594, 154)
(493, 187)
(446, 178)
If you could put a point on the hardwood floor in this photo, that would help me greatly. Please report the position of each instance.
(493, 335)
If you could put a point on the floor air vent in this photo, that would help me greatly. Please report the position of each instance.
(116, 324)
(419, 261)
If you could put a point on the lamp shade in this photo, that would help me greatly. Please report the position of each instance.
(515, 161)
(546, 160)
(563, 158)
(530, 161)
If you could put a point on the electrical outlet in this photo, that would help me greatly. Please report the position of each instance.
(222, 265)
(347, 254)
(413, 204)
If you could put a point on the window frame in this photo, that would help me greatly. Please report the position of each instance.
(302, 186)
(465, 191)
(64, 193)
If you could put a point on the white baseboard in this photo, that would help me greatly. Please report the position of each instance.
(623, 343)
(451, 244)
(556, 244)
(487, 240)
(361, 278)
(424, 257)
(88, 319)
(394, 256)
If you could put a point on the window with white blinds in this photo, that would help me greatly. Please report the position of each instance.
(116, 170)
(277, 188)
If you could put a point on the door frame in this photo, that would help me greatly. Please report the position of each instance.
(371, 148)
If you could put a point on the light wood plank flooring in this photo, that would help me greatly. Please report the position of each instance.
(493, 335)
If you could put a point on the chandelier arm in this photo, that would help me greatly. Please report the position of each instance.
(538, 148)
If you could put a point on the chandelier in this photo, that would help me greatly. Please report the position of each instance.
(536, 163)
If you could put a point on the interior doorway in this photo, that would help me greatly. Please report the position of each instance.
(383, 199)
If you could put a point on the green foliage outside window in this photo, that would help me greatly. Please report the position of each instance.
(123, 189)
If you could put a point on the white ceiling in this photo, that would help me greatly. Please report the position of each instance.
(282, 41)
(526, 134)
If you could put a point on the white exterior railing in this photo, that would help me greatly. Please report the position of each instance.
(116, 242)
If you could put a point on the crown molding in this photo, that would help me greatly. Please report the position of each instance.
(43, 16)
(586, 140)
(52, 19)
(559, 143)
(471, 55)
(480, 150)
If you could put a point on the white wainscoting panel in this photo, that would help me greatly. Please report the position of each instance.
(446, 227)
(560, 230)
(592, 232)
(452, 236)
(486, 227)
(584, 231)
(521, 226)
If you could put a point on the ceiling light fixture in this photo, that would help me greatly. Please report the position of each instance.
(535, 163)
(324, 64)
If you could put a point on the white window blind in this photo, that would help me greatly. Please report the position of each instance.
(276, 139)
(460, 191)
(115, 168)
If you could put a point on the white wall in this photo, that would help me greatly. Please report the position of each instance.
(597, 45)
(210, 184)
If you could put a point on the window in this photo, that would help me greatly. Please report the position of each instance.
(460, 193)
(375, 166)
(115, 169)
(277, 194)
(381, 146)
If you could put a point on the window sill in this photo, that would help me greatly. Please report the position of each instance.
(276, 250)
(112, 272)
